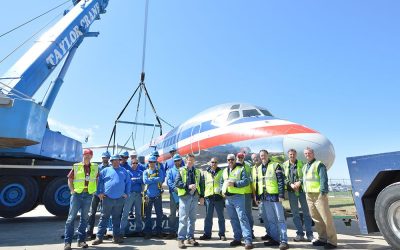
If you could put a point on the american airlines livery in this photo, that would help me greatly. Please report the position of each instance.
(239, 127)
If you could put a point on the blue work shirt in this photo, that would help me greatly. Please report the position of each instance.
(153, 179)
(125, 165)
(103, 166)
(141, 167)
(171, 176)
(114, 182)
(170, 164)
(136, 180)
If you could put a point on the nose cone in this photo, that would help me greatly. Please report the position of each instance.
(322, 147)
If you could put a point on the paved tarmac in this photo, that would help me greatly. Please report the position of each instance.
(40, 230)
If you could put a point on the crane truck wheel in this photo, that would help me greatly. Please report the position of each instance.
(387, 214)
(18, 195)
(56, 197)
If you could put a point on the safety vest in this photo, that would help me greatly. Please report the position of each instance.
(183, 172)
(234, 175)
(311, 178)
(286, 167)
(267, 182)
(80, 177)
(212, 184)
(247, 189)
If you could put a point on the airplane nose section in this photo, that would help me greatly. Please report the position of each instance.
(323, 148)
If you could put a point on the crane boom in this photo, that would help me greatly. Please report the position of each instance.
(24, 129)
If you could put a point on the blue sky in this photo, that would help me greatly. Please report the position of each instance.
(330, 65)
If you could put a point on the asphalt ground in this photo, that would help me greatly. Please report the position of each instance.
(40, 230)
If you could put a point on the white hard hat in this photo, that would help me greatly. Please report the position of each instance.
(133, 152)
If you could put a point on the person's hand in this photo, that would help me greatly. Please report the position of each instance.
(231, 183)
(101, 196)
(293, 186)
(192, 186)
(125, 196)
(297, 184)
(201, 201)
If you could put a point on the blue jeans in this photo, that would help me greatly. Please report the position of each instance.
(235, 206)
(77, 202)
(294, 207)
(276, 221)
(187, 216)
(263, 215)
(249, 205)
(212, 203)
(157, 203)
(92, 213)
(135, 200)
(113, 208)
(173, 222)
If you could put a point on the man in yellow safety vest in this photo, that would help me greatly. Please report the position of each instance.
(315, 184)
(82, 182)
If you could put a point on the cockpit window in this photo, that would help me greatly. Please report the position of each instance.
(233, 115)
(265, 112)
(236, 106)
(250, 112)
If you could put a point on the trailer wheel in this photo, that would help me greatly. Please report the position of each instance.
(56, 197)
(387, 214)
(18, 195)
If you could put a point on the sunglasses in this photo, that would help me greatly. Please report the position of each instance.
(231, 159)
(134, 163)
(152, 162)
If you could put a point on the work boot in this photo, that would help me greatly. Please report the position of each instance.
(67, 246)
(266, 237)
(192, 242)
(319, 243)
(147, 236)
(248, 246)
(181, 244)
(159, 235)
(118, 240)
(97, 241)
(222, 237)
(310, 238)
(235, 243)
(206, 237)
(299, 238)
(171, 236)
(271, 243)
(82, 244)
(329, 246)
(283, 246)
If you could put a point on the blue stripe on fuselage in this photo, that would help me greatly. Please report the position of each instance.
(205, 126)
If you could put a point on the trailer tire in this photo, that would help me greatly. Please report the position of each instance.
(56, 197)
(387, 214)
(18, 194)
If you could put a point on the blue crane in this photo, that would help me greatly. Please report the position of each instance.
(33, 158)
(26, 120)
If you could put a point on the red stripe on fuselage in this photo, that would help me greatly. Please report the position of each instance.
(242, 135)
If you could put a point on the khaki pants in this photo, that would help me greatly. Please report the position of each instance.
(320, 213)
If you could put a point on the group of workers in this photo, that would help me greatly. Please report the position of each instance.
(123, 188)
